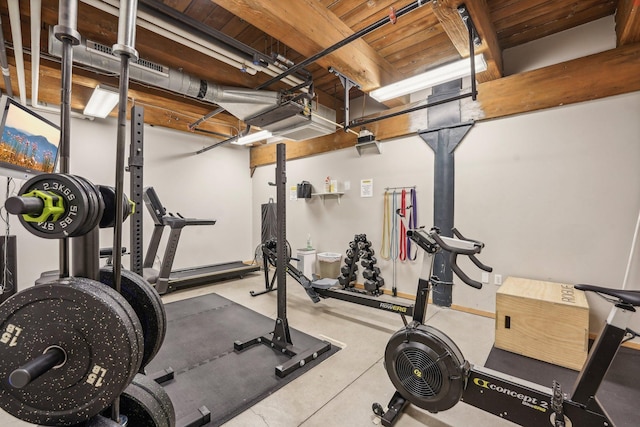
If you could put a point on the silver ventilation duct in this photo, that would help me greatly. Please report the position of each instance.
(265, 109)
(240, 102)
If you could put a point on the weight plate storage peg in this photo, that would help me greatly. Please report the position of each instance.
(146, 404)
(52, 206)
(67, 350)
(146, 302)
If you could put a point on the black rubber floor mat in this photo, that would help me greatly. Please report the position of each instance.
(619, 393)
(199, 347)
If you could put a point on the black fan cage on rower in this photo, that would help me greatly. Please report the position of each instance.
(429, 381)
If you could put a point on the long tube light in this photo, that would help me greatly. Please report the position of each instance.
(103, 100)
(253, 137)
(436, 76)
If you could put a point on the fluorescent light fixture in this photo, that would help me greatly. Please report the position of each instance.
(102, 102)
(446, 73)
(253, 137)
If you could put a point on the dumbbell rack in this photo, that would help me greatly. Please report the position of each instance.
(360, 250)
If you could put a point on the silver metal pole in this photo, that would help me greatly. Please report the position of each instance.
(66, 31)
(126, 49)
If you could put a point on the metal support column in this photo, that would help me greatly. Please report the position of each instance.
(136, 163)
(445, 134)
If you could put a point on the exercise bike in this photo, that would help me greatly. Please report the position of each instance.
(429, 371)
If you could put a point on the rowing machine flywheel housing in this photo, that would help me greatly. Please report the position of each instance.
(426, 367)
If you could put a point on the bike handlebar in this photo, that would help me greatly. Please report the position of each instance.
(431, 241)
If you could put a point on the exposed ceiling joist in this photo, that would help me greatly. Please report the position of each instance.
(609, 73)
(628, 22)
(447, 13)
(319, 29)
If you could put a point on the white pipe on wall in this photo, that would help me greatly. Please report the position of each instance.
(36, 20)
(36, 23)
(16, 35)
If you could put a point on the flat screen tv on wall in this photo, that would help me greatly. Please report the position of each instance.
(28, 142)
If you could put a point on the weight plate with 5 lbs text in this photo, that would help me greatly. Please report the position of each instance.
(96, 203)
(146, 404)
(101, 343)
(75, 201)
(148, 306)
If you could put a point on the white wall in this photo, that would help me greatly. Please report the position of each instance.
(212, 185)
(554, 194)
(588, 39)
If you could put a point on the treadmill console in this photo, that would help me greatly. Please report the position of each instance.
(154, 205)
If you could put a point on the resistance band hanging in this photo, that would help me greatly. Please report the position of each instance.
(393, 242)
(413, 223)
(402, 237)
(385, 248)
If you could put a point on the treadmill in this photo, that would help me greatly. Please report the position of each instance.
(167, 280)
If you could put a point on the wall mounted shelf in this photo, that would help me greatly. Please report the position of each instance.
(336, 194)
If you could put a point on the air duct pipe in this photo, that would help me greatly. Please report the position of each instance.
(239, 102)
(192, 41)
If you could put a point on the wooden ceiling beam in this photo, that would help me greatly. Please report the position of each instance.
(447, 13)
(628, 22)
(601, 75)
(320, 30)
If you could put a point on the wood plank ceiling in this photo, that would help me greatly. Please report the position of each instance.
(431, 35)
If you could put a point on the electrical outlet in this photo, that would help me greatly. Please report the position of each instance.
(497, 279)
(485, 277)
(347, 185)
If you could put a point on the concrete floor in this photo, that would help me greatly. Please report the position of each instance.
(340, 390)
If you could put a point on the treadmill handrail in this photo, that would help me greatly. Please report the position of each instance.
(175, 222)
(159, 213)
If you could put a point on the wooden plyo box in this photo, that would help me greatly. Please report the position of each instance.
(543, 320)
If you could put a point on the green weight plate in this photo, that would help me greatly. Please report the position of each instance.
(146, 404)
(147, 304)
(99, 340)
(76, 204)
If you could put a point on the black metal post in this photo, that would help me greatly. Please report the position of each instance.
(136, 185)
(600, 356)
(86, 255)
(282, 328)
(126, 49)
(443, 140)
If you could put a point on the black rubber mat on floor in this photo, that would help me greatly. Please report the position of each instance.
(199, 347)
(619, 393)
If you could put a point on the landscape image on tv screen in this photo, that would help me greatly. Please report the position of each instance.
(28, 142)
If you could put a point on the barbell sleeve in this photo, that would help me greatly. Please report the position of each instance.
(19, 205)
(36, 367)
